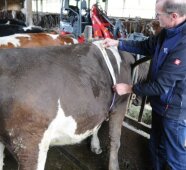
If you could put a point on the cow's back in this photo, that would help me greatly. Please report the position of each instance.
(34, 40)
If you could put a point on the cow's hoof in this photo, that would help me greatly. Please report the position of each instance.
(96, 150)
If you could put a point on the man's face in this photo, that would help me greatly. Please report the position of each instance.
(164, 18)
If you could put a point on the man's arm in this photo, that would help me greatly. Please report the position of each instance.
(145, 47)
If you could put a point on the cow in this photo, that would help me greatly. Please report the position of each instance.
(155, 27)
(9, 29)
(31, 40)
(12, 22)
(152, 28)
(60, 95)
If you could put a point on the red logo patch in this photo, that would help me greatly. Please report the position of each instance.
(177, 62)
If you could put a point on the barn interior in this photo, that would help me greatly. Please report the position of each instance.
(133, 153)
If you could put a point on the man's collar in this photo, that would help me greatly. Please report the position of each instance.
(179, 28)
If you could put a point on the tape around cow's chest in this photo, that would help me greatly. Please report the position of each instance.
(107, 60)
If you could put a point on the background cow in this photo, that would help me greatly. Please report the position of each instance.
(57, 96)
(12, 26)
(31, 40)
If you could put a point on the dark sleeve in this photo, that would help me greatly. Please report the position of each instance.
(145, 47)
(172, 71)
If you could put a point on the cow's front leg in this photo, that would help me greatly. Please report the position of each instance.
(95, 144)
(115, 124)
(2, 148)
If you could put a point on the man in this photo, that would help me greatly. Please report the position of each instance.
(167, 87)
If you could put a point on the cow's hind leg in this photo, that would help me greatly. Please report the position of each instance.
(33, 154)
(2, 147)
(27, 160)
(95, 144)
(115, 125)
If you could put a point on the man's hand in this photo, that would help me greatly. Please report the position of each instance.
(110, 42)
(122, 88)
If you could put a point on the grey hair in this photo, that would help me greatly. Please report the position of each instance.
(178, 6)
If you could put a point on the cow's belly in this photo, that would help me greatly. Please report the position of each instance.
(63, 138)
(61, 130)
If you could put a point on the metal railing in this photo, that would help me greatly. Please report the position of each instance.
(135, 72)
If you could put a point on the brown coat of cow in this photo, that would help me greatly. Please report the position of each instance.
(33, 40)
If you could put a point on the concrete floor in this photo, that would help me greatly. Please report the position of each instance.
(133, 154)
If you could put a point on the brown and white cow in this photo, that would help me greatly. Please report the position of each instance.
(31, 40)
(57, 96)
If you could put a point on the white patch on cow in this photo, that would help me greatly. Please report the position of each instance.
(8, 23)
(31, 27)
(61, 131)
(107, 60)
(21, 35)
(65, 43)
(152, 30)
(12, 39)
(53, 36)
(2, 147)
(27, 28)
(75, 41)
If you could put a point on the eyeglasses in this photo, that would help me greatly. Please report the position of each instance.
(160, 14)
